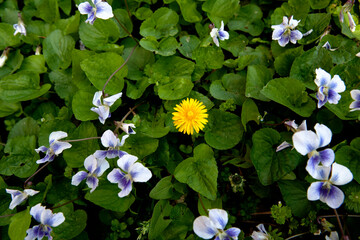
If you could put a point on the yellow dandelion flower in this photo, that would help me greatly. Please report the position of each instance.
(190, 114)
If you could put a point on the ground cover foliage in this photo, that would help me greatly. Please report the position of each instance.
(158, 53)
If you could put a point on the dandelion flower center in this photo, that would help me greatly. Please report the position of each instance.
(190, 115)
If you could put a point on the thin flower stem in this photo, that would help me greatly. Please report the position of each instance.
(82, 139)
(122, 65)
(5, 216)
(127, 9)
(118, 124)
(261, 213)
(297, 235)
(202, 203)
(27, 180)
(127, 31)
(65, 203)
(340, 225)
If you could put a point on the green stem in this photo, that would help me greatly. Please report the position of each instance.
(65, 203)
(127, 9)
(202, 203)
(9, 215)
(122, 65)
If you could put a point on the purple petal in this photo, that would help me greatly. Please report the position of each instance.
(337, 84)
(333, 197)
(140, 173)
(282, 146)
(324, 134)
(322, 77)
(92, 183)
(78, 177)
(319, 172)
(313, 192)
(354, 106)
(47, 158)
(55, 136)
(108, 139)
(355, 94)
(340, 175)
(104, 11)
(33, 233)
(126, 162)
(277, 33)
(91, 18)
(17, 199)
(261, 227)
(113, 153)
(219, 217)
(85, 8)
(333, 97)
(109, 101)
(204, 227)
(100, 154)
(295, 35)
(126, 190)
(36, 212)
(41, 149)
(58, 147)
(56, 219)
(223, 35)
(103, 165)
(97, 99)
(327, 157)
(284, 40)
(305, 142)
(321, 102)
(233, 232)
(90, 163)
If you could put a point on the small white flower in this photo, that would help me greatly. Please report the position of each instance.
(325, 190)
(328, 88)
(19, 196)
(128, 128)
(20, 26)
(333, 236)
(100, 10)
(96, 168)
(4, 57)
(261, 234)
(352, 24)
(355, 105)
(103, 107)
(208, 227)
(113, 143)
(56, 147)
(47, 220)
(219, 33)
(286, 32)
(135, 172)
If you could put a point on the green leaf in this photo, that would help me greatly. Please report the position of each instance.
(284, 61)
(166, 47)
(123, 16)
(8, 108)
(7, 38)
(224, 130)
(295, 196)
(346, 49)
(22, 157)
(249, 112)
(143, 13)
(220, 10)
(199, 172)
(21, 86)
(19, 223)
(57, 50)
(188, 11)
(188, 44)
(64, 85)
(69, 25)
(319, 4)
(74, 224)
(270, 165)
(257, 77)
(76, 155)
(290, 93)
(99, 67)
(177, 89)
(106, 196)
(298, 9)
(304, 66)
(81, 105)
(34, 63)
(162, 23)
(25, 127)
(140, 145)
(160, 219)
(208, 57)
(100, 36)
(47, 10)
(235, 44)
(164, 189)
(135, 91)
(248, 19)
(317, 22)
(231, 86)
(154, 127)
(78, 75)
